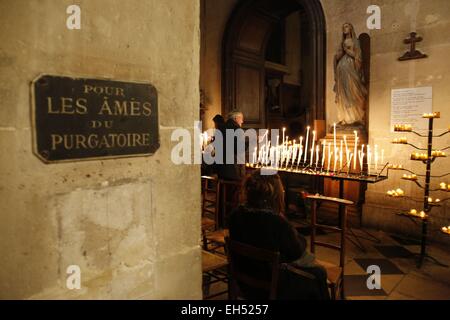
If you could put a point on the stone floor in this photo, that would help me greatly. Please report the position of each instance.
(400, 277)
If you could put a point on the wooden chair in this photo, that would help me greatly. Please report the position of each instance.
(210, 207)
(210, 202)
(335, 273)
(216, 238)
(212, 269)
(228, 203)
(237, 249)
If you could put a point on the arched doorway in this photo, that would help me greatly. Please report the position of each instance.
(248, 77)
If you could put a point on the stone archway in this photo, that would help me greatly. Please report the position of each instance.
(244, 45)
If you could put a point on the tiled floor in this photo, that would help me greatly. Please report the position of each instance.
(400, 277)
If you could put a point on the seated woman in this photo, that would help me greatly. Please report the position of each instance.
(261, 223)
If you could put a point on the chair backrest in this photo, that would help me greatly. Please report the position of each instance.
(230, 191)
(210, 197)
(236, 250)
(341, 228)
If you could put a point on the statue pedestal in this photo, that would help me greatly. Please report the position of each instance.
(354, 191)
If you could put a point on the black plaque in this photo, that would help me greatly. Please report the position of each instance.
(80, 119)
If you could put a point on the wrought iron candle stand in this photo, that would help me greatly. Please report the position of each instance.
(428, 203)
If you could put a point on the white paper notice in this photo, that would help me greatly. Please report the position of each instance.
(408, 106)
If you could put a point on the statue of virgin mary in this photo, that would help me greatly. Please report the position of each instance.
(349, 87)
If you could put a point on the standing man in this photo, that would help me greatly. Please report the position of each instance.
(232, 173)
(233, 130)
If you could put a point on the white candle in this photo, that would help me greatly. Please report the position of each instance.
(356, 149)
(324, 144)
(361, 160)
(294, 153)
(369, 159)
(284, 130)
(336, 157)
(306, 144)
(317, 156)
(346, 151)
(334, 137)
(349, 162)
(376, 158)
(254, 155)
(300, 153)
(329, 158)
(312, 149)
(340, 156)
(268, 152)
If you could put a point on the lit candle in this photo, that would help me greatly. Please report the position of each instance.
(329, 155)
(312, 149)
(334, 137)
(349, 162)
(336, 157)
(306, 144)
(376, 158)
(284, 130)
(346, 151)
(369, 159)
(361, 160)
(294, 153)
(317, 156)
(268, 152)
(329, 159)
(324, 145)
(356, 148)
(300, 153)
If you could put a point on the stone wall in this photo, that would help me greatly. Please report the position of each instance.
(133, 224)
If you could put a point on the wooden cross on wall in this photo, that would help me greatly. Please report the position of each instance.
(413, 53)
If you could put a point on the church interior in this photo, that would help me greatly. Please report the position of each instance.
(111, 114)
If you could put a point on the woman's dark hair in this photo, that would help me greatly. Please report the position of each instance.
(264, 192)
(218, 119)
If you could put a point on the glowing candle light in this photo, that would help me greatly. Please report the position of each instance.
(312, 149)
(284, 131)
(369, 159)
(306, 144)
